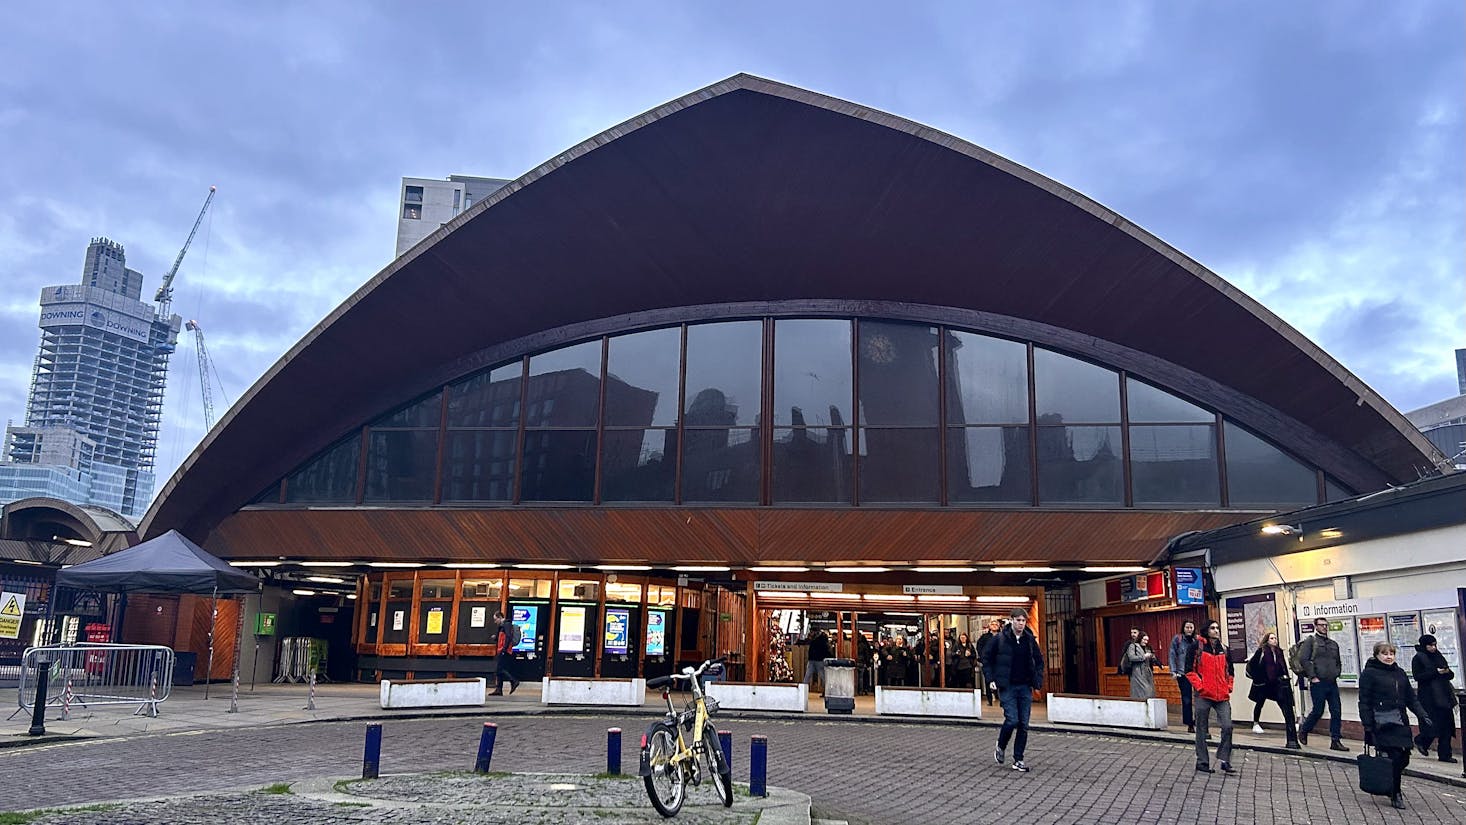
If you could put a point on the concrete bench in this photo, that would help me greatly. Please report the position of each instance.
(576, 691)
(1107, 711)
(780, 696)
(433, 693)
(964, 703)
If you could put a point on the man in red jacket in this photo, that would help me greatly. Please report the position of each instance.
(1210, 675)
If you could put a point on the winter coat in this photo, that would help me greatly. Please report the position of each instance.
(1384, 687)
(983, 641)
(1268, 670)
(964, 657)
(1435, 687)
(1211, 674)
(1141, 663)
(1178, 658)
(1320, 656)
(997, 662)
(819, 647)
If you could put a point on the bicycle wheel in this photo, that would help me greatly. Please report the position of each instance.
(667, 785)
(717, 764)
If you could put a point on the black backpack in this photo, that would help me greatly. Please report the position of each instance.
(512, 634)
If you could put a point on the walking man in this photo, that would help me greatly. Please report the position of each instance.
(814, 665)
(987, 638)
(504, 655)
(1210, 675)
(1321, 666)
(1014, 667)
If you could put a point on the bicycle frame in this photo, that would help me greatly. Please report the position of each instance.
(686, 752)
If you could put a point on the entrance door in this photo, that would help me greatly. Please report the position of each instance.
(533, 618)
(620, 635)
(574, 629)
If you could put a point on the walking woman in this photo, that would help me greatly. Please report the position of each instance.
(964, 662)
(1384, 694)
(1178, 659)
(1139, 661)
(1268, 670)
(1434, 676)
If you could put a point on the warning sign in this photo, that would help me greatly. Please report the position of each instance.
(12, 610)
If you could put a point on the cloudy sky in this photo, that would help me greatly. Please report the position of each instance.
(1309, 152)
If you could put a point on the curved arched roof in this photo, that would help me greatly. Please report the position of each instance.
(751, 190)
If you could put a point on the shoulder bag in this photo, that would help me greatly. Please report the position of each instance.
(1376, 772)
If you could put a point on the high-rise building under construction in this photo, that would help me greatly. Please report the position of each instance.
(96, 399)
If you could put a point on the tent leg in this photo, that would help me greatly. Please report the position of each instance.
(213, 619)
(238, 649)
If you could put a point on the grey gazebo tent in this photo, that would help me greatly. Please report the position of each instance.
(172, 564)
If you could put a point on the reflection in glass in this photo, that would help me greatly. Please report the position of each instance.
(899, 465)
(400, 465)
(898, 374)
(1147, 404)
(1333, 490)
(1079, 465)
(1070, 391)
(724, 369)
(638, 465)
(641, 370)
(424, 412)
(565, 387)
(812, 465)
(1260, 475)
(478, 465)
(988, 464)
(987, 380)
(721, 466)
(488, 399)
(812, 373)
(330, 478)
(1174, 465)
(559, 465)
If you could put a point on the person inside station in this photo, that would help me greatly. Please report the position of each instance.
(963, 665)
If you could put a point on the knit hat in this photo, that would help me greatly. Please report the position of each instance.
(1427, 640)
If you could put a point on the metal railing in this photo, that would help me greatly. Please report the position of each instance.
(87, 675)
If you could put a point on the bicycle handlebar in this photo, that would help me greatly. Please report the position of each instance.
(687, 675)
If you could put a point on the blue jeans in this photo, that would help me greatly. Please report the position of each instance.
(1319, 693)
(1017, 705)
(812, 668)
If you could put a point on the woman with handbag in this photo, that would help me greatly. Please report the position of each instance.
(1384, 695)
(1268, 670)
(1139, 661)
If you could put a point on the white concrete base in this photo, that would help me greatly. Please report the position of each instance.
(1107, 711)
(620, 692)
(433, 693)
(963, 703)
(761, 696)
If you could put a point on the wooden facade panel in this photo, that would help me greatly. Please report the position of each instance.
(687, 535)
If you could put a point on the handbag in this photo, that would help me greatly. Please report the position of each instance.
(1376, 773)
(1387, 717)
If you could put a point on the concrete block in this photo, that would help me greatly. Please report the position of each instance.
(781, 696)
(1107, 711)
(619, 692)
(961, 703)
(433, 693)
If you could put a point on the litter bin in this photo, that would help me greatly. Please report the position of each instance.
(839, 685)
(184, 664)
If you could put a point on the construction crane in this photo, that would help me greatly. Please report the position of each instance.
(206, 368)
(165, 292)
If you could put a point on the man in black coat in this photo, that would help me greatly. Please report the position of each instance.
(994, 628)
(1014, 666)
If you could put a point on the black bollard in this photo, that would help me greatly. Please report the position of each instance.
(725, 739)
(371, 757)
(613, 751)
(758, 766)
(38, 713)
(485, 748)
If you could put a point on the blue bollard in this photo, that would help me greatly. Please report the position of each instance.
(725, 738)
(371, 758)
(485, 748)
(613, 751)
(758, 766)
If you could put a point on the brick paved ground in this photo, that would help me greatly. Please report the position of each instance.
(867, 773)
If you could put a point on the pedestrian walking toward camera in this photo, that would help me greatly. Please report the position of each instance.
(1015, 669)
(1211, 677)
(964, 662)
(1384, 694)
(1321, 667)
(508, 637)
(1268, 670)
(1178, 659)
(1434, 676)
(1139, 661)
(994, 628)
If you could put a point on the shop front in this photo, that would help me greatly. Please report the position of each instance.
(1155, 602)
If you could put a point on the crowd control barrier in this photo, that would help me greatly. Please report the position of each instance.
(88, 675)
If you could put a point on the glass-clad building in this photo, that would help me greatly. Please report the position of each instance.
(760, 365)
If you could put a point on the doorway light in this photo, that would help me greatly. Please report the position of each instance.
(948, 598)
(887, 597)
(472, 565)
(394, 564)
(944, 569)
(304, 592)
(702, 568)
(254, 564)
(819, 595)
(1002, 599)
(857, 569)
(325, 564)
(1023, 569)
(780, 569)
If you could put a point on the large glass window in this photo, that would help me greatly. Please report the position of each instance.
(1175, 464)
(812, 464)
(721, 466)
(1080, 465)
(638, 465)
(641, 378)
(812, 373)
(724, 369)
(400, 465)
(565, 387)
(488, 399)
(987, 380)
(328, 479)
(421, 413)
(1262, 476)
(989, 465)
(1070, 391)
(1148, 405)
(899, 465)
(898, 375)
(478, 465)
(559, 465)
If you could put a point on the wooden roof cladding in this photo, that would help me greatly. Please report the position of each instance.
(750, 190)
(737, 537)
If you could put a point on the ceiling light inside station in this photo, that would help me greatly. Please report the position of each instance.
(1002, 599)
(1022, 569)
(943, 569)
(326, 579)
(254, 564)
(325, 564)
(857, 569)
(1113, 569)
(702, 568)
(613, 568)
(473, 565)
(543, 566)
(304, 592)
(780, 569)
(394, 564)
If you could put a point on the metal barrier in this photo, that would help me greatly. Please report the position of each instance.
(85, 675)
(300, 658)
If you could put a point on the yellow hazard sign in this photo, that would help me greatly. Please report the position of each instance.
(12, 610)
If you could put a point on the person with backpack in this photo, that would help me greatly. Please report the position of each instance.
(509, 635)
(1321, 664)
(1121, 667)
(1268, 670)
(1178, 659)
(1210, 675)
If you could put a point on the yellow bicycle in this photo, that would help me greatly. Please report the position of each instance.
(671, 761)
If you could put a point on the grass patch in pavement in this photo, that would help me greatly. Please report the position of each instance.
(277, 788)
(25, 817)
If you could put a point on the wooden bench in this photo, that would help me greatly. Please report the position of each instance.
(1107, 711)
(560, 690)
(780, 696)
(433, 693)
(963, 703)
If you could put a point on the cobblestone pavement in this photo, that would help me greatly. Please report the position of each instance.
(866, 773)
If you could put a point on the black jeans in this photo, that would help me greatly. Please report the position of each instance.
(1187, 717)
(1401, 758)
(1443, 730)
(502, 665)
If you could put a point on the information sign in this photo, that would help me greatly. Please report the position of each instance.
(572, 629)
(527, 619)
(618, 630)
(656, 633)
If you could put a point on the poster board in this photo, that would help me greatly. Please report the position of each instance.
(1442, 625)
(618, 631)
(1371, 630)
(1404, 632)
(1249, 620)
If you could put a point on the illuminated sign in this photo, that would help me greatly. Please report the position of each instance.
(527, 618)
(656, 633)
(618, 631)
